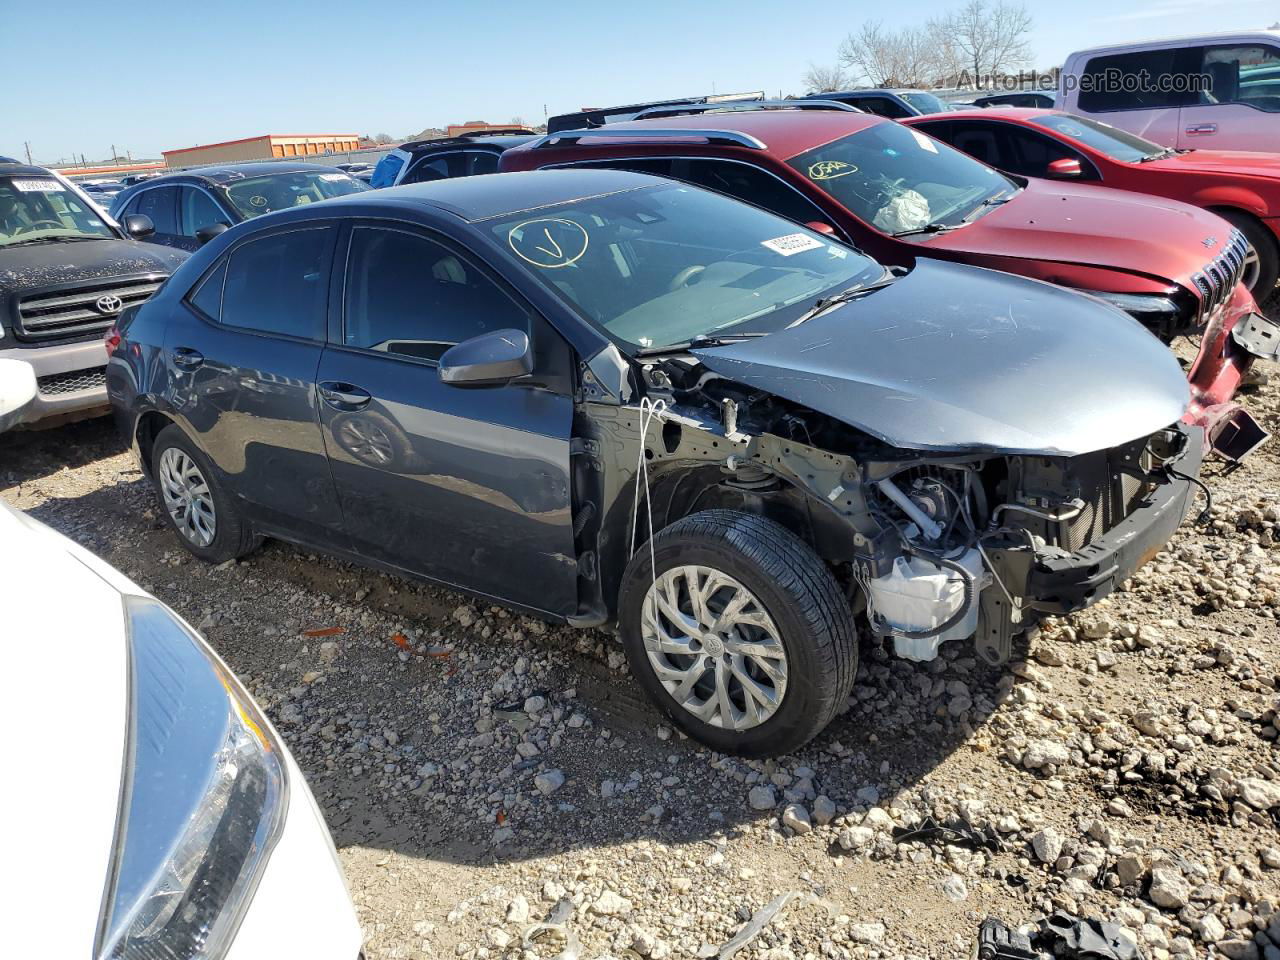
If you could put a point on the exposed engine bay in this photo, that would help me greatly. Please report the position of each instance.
(930, 546)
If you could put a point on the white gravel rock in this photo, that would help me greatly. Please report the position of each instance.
(795, 816)
(1169, 888)
(549, 781)
(1047, 844)
(762, 797)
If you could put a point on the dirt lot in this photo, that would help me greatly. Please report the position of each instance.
(476, 768)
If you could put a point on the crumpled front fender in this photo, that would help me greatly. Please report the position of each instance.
(1218, 370)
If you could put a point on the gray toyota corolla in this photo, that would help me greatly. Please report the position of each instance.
(610, 399)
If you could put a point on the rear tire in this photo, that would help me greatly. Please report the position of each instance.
(194, 503)
(765, 659)
(1260, 239)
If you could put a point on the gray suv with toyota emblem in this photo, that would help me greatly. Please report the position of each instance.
(67, 272)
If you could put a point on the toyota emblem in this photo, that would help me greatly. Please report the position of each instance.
(1209, 241)
(109, 305)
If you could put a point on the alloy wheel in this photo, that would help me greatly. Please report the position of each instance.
(187, 497)
(1252, 267)
(714, 647)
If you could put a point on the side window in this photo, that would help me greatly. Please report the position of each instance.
(207, 295)
(882, 106)
(744, 182)
(1032, 153)
(1249, 75)
(982, 141)
(424, 171)
(411, 296)
(198, 211)
(658, 166)
(160, 203)
(279, 283)
(481, 162)
(1142, 80)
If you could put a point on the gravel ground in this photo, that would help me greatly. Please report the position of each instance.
(477, 767)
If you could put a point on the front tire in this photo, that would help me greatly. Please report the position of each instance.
(193, 502)
(1261, 273)
(744, 638)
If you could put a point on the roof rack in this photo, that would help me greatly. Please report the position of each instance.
(600, 116)
(468, 137)
(656, 135)
(745, 106)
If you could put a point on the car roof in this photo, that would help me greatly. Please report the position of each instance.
(16, 169)
(988, 113)
(497, 194)
(784, 133)
(873, 92)
(1194, 39)
(504, 141)
(227, 172)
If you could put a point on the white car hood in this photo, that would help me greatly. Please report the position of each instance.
(65, 686)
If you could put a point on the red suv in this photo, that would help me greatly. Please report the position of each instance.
(1243, 188)
(897, 193)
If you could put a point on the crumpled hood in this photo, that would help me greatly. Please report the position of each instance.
(65, 682)
(957, 358)
(48, 264)
(1095, 226)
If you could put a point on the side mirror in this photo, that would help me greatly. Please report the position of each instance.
(17, 391)
(138, 226)
(818, 226)
(205, 234)
(490, 359)
(1066, 168)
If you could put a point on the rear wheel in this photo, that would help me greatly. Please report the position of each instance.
(744, 638)
(193, 502)
(1262, 265)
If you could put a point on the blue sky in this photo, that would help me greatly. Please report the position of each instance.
(149, 76)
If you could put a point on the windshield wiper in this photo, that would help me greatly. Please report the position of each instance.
(17, 243)
(701, 340)
(929, 228)
(844, 296)
(1166, 152)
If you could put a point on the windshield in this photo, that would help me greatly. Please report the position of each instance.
(42, 208)
(1116, 144)
(900, 180)
(663, 265)
(924, 102)
(279, 191)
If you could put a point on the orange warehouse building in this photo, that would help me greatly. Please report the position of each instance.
(271, 146)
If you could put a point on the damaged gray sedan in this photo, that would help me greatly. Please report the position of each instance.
(610, 399)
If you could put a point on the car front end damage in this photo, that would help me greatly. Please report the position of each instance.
(929, 547)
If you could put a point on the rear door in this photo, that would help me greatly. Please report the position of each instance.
(469, 486)
(243, 358)
(1240, 107)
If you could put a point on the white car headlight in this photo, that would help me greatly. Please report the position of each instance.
(203, 802)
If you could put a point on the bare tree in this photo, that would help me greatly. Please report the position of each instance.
(382, 138)
(518, 121)
(825, 79)
(886, 58)
(991, 38)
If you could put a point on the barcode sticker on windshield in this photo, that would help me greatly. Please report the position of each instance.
(331, 177)
(39, 186)
(792, 243)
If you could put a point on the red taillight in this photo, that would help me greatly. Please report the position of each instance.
(111, 339)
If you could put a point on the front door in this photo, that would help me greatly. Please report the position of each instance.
(469, 486)
(1240, 110)
(242, 360)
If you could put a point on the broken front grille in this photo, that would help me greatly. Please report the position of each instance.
(69, 313)
(1217, 281)
(72, 382)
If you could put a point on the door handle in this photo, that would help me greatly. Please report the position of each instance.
(343, 396)
(187, 358)
(1200, 129)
